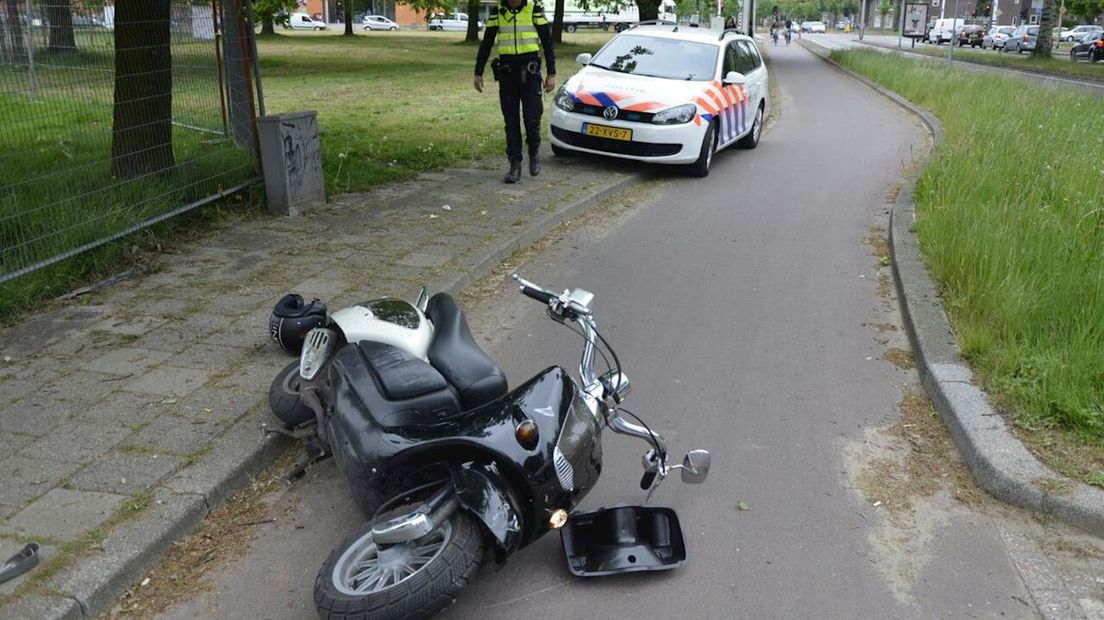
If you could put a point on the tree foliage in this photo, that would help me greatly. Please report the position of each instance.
(429, 7)
(269, 12)
(1087, 10)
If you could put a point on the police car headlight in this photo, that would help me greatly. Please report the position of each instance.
(676, 115)
(564, 100)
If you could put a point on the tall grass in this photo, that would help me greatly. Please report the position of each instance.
(1011, 224)
(1059, 64)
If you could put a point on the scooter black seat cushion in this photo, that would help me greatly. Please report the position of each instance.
(454, 353)
(390, 385)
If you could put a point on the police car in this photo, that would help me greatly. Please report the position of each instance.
(665, 94)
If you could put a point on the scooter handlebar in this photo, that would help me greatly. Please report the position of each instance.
(542, 296)
(533, 291)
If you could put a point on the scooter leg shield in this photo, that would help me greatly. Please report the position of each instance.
(484, 493)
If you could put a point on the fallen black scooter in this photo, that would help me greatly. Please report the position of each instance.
(446, 465)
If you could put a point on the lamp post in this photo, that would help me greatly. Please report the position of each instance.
(954, 39)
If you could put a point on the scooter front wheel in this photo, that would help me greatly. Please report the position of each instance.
(284, 400)
(407, 580)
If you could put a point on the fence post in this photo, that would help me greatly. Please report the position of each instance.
(30, 52)
(234, 64)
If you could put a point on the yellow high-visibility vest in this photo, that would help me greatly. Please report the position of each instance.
(517, 29)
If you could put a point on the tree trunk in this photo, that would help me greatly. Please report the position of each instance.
(649, 10)
(1046, 22)
(15, 31)
(142, 131)
(558, 22)
(266, 26)
(348, 18)
(472, 36)
(60, 15)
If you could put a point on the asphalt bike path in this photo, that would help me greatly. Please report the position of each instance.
(752, 314)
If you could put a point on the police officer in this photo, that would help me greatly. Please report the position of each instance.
(518, 25)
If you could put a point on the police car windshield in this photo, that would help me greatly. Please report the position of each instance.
(658, 57)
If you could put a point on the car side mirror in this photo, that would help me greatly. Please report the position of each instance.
(583, 59)
(735, 77)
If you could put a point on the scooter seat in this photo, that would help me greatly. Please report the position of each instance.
(453, 352)
(372, 380)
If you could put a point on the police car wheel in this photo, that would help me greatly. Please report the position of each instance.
(570, 28)
(700, 168)
(560, 151)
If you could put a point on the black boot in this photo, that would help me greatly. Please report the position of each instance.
(514, 175)
(534, 163)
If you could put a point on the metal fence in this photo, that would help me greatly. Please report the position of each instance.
(118, 115)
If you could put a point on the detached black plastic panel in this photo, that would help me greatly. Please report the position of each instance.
(625, 539)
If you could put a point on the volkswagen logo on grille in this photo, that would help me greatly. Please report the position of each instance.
(610, 112)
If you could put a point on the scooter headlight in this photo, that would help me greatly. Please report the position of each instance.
(579, 438)
(564, 100)
(676, 115)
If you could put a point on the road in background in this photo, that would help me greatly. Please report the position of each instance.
(889, 42)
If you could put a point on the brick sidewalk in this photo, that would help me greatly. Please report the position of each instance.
(131, 411)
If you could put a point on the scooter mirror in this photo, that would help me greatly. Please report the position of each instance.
(695, 466)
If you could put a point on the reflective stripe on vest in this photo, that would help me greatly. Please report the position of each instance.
(517, 32)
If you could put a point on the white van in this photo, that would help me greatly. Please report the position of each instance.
(455, 22)
(944, 30)
(302, 21)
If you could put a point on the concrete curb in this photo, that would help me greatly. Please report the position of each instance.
(184, 499)
(998, 461)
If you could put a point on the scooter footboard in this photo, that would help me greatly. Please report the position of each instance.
(483, 492)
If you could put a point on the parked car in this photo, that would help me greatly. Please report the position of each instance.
(971, 35)
(1078, 32)
(1022, 39)
(813, 27)
(995, 38)
(302, 21)
(664, 95)
(456, 22)
(943, 30)
(87, 21)
(1090, 48)
(379, 22)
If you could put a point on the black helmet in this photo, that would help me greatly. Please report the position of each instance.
(292, 318)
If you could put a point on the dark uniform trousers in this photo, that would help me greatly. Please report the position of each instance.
(518, 86)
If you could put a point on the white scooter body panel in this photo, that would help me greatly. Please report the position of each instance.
(391, 321)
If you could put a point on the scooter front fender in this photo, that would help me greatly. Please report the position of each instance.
(484, 493)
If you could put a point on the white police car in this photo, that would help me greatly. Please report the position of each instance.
(666, 94)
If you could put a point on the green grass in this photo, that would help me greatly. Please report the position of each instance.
(1011, 225)
(57, 192)
(391, 105)
(1054, 65)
